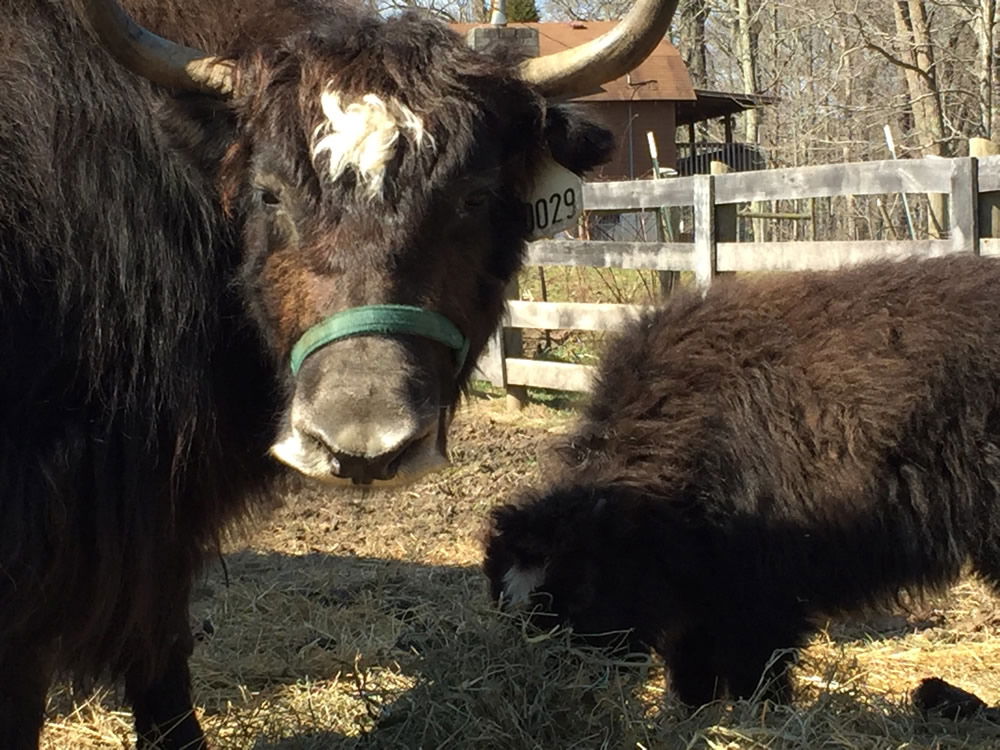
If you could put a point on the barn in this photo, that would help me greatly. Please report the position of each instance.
(656, 96)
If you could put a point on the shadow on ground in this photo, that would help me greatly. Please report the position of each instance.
(301, 652)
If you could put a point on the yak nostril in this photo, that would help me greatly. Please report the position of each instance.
(366, 469)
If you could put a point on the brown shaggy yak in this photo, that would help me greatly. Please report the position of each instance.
(781, 448)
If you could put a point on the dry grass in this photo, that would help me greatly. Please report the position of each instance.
(361, 622)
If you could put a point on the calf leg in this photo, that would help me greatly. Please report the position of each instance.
(24, 683)
(759, 655)
(162, 706)
(761, 666)
(690, 661)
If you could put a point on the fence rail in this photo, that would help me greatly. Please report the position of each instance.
(972, 186)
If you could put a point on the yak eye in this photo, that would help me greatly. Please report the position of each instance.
(476, 199)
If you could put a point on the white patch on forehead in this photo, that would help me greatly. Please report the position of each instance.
(520, 583)
(363, 135)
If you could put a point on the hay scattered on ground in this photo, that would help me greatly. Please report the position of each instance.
(361, 621)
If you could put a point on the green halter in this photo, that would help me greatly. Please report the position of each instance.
(382, 319)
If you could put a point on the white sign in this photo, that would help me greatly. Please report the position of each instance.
(555, 202)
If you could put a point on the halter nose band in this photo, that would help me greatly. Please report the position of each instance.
(382, 320)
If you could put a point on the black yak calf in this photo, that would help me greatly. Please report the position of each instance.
(781, 449)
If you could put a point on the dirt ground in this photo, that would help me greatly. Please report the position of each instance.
(360, 620)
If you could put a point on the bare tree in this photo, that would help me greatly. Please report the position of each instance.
(985, 27)
(692, 15)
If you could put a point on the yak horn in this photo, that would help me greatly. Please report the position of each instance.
(582, 70)
(160, 60)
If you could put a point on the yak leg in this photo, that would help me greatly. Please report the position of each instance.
(24, 683)
(690, 661)
(765, 668)
(162, 706)
(760, 655)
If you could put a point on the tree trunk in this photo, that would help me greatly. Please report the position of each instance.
(925, 97)
(746, 46)
(746, 50)
(986, 22)
(693, 15)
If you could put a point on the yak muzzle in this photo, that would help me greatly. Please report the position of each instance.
(367, 451)
(368, 409)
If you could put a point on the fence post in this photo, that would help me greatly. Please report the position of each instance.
(726, 216)
(704, 230)
(491, 366)
(964, 201)
(513, 346)
(664, 223)
(989, 203)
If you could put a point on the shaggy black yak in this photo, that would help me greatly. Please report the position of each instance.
(782, 448)
(281, 227)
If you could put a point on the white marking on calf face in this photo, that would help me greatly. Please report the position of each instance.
(520, 583)
(363, 135)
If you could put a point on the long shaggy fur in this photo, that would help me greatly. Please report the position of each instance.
(782, 448)
(143, 344)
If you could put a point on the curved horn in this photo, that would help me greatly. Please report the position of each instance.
(581, 70)
(160, 60)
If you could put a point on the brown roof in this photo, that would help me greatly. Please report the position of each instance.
(712, 104)
(661, 76)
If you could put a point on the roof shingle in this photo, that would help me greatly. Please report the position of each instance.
(660, 76)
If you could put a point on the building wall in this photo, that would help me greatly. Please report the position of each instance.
(630, 121)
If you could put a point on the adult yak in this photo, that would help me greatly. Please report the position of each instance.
(175, 228)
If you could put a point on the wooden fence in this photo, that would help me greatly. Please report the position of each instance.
(972, 185)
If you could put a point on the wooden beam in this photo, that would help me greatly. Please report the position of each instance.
(704, 230)
(660, 256)
(800, 256)
(634, 195)
(963, 213)
(577, 316)
(989, 246)
(517, 395)
(491, 361)
(989, 173)
(863, 178)
(988, 181)
(560, 376)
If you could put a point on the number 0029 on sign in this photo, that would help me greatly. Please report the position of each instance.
(555, 201)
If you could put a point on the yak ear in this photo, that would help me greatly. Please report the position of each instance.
(509, 543)
(519, 533)
(575, 140)
(510, 527)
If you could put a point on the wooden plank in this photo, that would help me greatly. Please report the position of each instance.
(633, 195)
(963, 211)
(578, 316)
(726, 217)
(704, 230)
(660, 256)
(560, 376)
(979, 147)
(799, 256)
(862, 178)
(490, 366)
(989, 246)
(989, 174)
(988, 185)
(510, 339)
